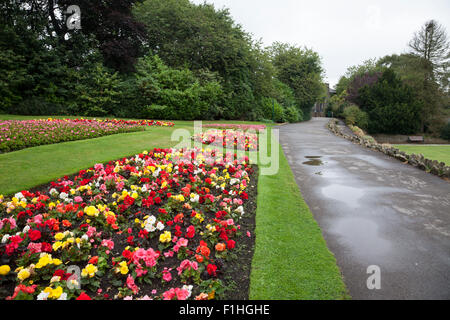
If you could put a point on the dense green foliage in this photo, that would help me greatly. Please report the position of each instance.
(391, 105)
(355, 116)
(165, 59)
(404, 93)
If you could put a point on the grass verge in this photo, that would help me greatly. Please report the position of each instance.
(439, 153)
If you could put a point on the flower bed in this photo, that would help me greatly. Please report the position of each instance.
(148, 123)
(164, 224)
(244, 127)
(228, 139)
(16, 135)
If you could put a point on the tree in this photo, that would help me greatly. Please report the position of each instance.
(301, 70)
(432, 44)
(391, 105)
(414, 71)
(118, 36)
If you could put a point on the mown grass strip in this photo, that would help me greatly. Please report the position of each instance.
(291, 260)
(439, 153)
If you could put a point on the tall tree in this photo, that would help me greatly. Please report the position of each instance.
(432, 44)
(301, 70)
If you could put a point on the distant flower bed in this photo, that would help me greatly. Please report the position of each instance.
(16, 135)
(244, 127)
(149, 123)
(166, 224)
(228, 139)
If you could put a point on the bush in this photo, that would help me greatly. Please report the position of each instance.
(273, 110)
(158, 112)
(391, 105)
(292, 115)
(445, 132)
(354, 116)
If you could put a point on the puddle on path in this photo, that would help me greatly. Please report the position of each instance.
(349, 195)
(314, 161)
(362, 236)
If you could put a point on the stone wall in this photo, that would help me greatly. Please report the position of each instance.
(419, 161)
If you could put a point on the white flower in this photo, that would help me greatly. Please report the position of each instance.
(150, 227)
(43, 295)
(84, 237)
(53, 192)
(26, 229)
(151, 220)
(63, 195)
(188, 288)
(240, 209)
(63, 296)
(5, 238)
(160, 226)
(19, 196)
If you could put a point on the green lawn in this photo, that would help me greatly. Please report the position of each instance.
(291, 258)
(439, 153)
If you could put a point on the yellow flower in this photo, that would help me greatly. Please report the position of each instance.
(43, 261)
(23, 274)
(123, 267)
(4, 270)
(165, 237)
(56, 262)
(56, 293)
(90, 271)
(59, 236)
(57, 245)
(91, 211)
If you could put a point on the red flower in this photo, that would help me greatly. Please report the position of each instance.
(93, 260)
(190, 232)
(211, 268)
(127, 254)
(231, 244)
(83, 296)
(34, 235)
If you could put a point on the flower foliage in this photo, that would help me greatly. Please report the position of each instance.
(227, 138)
(16, 134)
(159, 225)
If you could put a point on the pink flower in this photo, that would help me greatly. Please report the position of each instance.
(108, 243)
(131, 285)
(78, 199)
(167, 276)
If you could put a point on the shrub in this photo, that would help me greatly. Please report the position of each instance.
(292, 114)
(155, 111)
(273, 110)
(354, 116)
(391, 105)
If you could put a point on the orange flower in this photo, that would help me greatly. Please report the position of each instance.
(66, 223)
(205, 251)
(220, 246)
(199, 258)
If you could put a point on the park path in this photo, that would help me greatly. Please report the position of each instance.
(374, 210)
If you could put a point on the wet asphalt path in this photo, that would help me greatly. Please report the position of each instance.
(374, 210)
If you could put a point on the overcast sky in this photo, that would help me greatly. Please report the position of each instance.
(343, 32)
